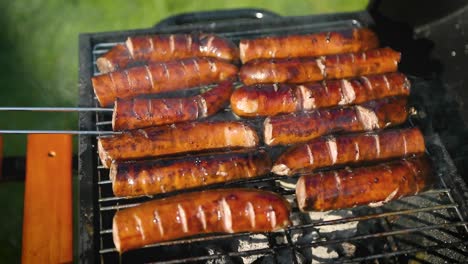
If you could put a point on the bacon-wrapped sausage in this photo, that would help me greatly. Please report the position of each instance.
(145, 112)
(159, 48)
(161, 77)
(175, 139)
(303, 70)
(304, 126)
(166, 175)
(308, 45)
(273, 99)
(214, 211)
(372, 185)
(353, 148)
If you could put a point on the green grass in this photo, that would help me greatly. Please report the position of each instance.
(39, 47)
(39, 66)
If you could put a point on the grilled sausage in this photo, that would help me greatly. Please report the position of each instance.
(116, 58)
(145, 112)
(175, 139)
(158, 48)
(166, 175)
(273, 99)
(302, 70)
(345, 149)
(161, 77)
(304, 126)
(372, 185)
(308, 45)
(214, 211)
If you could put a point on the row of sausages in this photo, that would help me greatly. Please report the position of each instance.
(160, 48)
(136, 178)
(176, 62)
(182, 74)
(202, 136)
(256, 100)
(250, 210)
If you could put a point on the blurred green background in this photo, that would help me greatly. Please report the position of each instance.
(39, 66)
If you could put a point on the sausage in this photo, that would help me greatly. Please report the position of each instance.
(166, 175)
(273, 99)
(346, 149)
(308, 45)
(145, 112)
(302, 70)
(161, 77)
(175, 139)
(304, 126)
(372, 185)
(159, 48)
(213, 211)
(116, 58)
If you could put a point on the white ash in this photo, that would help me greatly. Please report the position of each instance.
(257, 241)
(287, 185)
(330, 215)
(332, 231)
(219, 260)
(348, 249)
(321, 253)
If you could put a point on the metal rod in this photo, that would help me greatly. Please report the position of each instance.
(382, 234)
(403, 252)
(72, 132)
(374, 216)
(57, 109)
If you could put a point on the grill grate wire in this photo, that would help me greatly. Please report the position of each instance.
(437, 204)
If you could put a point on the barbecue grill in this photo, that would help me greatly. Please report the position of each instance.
(430, 227)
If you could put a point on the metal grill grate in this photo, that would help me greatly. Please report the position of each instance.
(431, 227)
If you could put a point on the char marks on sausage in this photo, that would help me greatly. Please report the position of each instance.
(224, 210)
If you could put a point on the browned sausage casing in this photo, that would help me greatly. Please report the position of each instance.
(273, 99)
(304, 126)
(226, 211)
(345, 149)
(303, 70)
(175, 139)
(372, 185)
(161, 77)
(166, 175)
(145, 112)
(158, 48)
(116, 58)
(308, 45)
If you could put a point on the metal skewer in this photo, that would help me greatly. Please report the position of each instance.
(64, 110)
(57, 109)
(72, 132)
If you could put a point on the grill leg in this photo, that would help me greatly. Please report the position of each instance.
(47, 222)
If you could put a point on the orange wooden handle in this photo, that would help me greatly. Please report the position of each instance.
(47, 222)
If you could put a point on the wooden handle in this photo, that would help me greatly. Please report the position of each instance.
(47, 222)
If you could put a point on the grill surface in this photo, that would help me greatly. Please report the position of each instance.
(431, 227)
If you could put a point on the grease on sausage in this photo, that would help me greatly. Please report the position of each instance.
(304, 126)
(161, 77)
(308, 45)
(273, 99)
(159, 48)
(214, 211)
(372, 185)
(175, 139)
(346, 149)
(303, 70)
(166, 175)
(145, 112)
